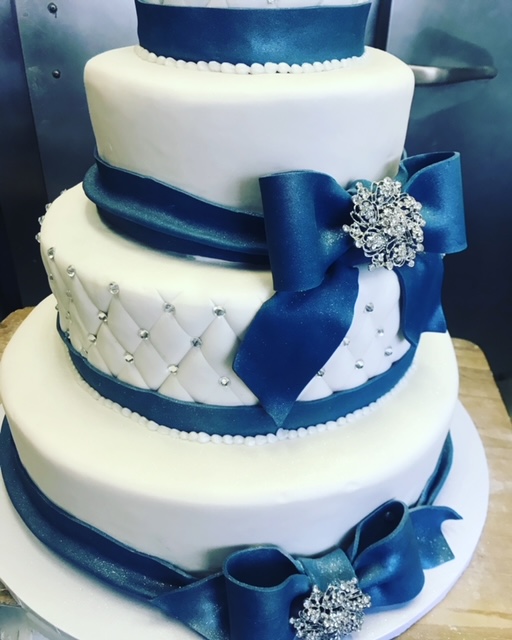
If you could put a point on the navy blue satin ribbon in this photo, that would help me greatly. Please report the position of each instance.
(311, 257)
(237, 35)
(168, 219)
(259, 588)
(237, 420)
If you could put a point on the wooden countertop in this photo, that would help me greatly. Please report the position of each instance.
(479, 607)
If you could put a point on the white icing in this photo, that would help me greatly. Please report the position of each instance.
(214, 134)
(106, 326)
(191, 504)
(245, 69)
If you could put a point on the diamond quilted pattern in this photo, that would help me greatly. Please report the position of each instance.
(181, 342)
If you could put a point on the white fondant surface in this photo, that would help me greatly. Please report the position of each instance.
(191, 503)
(65, 604)
(107, 327)
(213, 135)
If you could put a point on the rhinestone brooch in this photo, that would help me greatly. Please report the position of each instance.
(333, 614)
(387, 224)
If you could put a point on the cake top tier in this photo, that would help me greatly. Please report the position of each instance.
(246, 32)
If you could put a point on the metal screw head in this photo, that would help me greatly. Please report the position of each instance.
(52, 7)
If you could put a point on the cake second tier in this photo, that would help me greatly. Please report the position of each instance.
(214, 134)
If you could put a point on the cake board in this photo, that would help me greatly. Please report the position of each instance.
(64, 603)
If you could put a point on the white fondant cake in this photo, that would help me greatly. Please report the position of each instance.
(172, 438)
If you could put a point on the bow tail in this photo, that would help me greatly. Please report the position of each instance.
(292, 337)
(421, 296)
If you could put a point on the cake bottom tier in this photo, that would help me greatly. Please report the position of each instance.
(192, 502)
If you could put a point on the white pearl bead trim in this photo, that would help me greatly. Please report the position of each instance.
(244, 69)
(248, 441)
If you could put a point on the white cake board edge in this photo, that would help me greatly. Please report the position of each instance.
(62, 602)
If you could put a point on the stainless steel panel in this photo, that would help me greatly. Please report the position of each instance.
(475, 118)
(22, 190)
(57, 39)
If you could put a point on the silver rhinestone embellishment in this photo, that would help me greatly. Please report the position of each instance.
(169, 308)
(196, 342)
(173, 368)
(224, 381)
(71, 271)
(50, 276)
(346, 342)
(388, 351)
(113, 287)
(387, 224)
(51, 253)
(369, 307)
(144, 334)
(333, 614)
(38, 237)
(128, 357)
(359, 364)
(321, 373)
(40, 220)
(69, 294)
(102, 316)
(380, 332)
(92, 338)
(219, 311)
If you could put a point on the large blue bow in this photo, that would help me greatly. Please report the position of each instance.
(313, 260)
(259, 588)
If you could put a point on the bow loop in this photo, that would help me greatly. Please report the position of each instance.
(304, 215)
(435, 180)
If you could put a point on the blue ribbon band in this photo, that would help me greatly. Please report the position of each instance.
(259, 588)
(236, 35)
(240, 420)
(168, 219)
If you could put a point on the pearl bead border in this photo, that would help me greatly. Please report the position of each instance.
(248, 441)
(269, 68)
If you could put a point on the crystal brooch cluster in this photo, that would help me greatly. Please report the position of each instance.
(332, 614)
(387, 224)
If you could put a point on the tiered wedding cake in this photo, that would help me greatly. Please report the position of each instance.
(250, 369)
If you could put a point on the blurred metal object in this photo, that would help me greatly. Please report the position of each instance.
(461, 53)
(451, 75)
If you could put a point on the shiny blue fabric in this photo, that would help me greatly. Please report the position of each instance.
(312, 259)
(312, 264)
(168, 219)
(238, 420)
(258, 588)
(295, 36)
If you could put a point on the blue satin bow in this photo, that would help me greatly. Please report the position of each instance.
(259, 588)
(312, 261)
